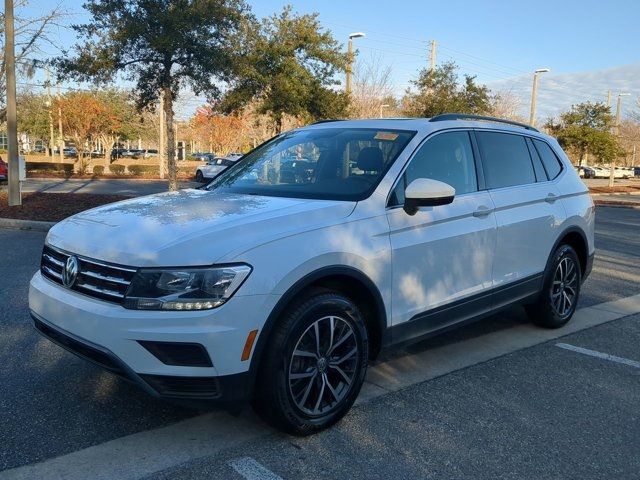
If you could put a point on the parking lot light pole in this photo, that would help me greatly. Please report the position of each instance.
(534, 93)
(382, 107)
(15, 197)
(617, 133)
(350, 59)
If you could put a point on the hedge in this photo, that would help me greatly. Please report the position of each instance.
(116, 169)
(66, 168)
(138, 170)
(98, 169)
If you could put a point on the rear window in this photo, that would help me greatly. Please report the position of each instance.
(505, 159)
(549, 159)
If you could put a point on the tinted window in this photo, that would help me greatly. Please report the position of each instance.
(541, 174)
(506, 159)
(549, 159)
(447, 157)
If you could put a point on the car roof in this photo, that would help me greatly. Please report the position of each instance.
(425, 125)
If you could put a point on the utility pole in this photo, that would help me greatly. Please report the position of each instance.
(15, 197)
(617, 133)
(608, 98)
(60, 136)
(432, 55)
(50, 101)
(349, 71)
(534, 94)
(161, 147)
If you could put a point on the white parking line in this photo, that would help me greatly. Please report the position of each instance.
(252, 470)
(604, 356)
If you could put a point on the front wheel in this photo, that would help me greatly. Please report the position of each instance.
(560, 292)
(315, 364)
(199, 177)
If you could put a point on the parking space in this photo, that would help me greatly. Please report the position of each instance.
(481, 410)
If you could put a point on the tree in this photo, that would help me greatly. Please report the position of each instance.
(372, 93)
(33, 115)
(440, 92)
(287, 65)
(161, 45)
(222, 134)
(586, 128)
(506, 105)
(30, 33)
(84, 117)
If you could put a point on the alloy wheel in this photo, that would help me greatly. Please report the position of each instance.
(564, 288)
(323, 365)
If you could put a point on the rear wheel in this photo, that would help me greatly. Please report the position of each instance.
(199, 176)
(315, 365)
(561, 291)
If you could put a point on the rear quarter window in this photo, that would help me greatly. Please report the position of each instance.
(549, 159)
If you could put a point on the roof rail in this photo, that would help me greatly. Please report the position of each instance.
(466, 116)
(327, 121)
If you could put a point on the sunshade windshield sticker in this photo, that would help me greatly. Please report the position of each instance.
(388, 136)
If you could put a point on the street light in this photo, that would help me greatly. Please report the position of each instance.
(534, 92)
(617, 129)
(383, 106)
(350, 58)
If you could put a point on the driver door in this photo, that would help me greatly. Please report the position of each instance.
(442, 256)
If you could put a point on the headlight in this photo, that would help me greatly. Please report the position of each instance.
(184, 288)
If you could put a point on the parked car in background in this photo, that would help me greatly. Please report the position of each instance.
(70, 152)
(256, 289)
(4, 169)
(587, 172)
(202, 156)
(150, 153)
(636, 172)
(600, 172)
(215, 167)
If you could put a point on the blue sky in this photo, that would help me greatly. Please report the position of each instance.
(500, 41)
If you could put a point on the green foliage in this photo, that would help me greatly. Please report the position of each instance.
(50, 167)
(98, 169)
(587, 128)
(440, 92)
(287, 64)
(33, 115)
(116, 169)
(139, 170)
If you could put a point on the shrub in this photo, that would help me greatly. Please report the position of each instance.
(117, 169)
(138, 170)
(98, 169)
(50, 167)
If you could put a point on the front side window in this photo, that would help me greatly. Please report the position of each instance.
(505, 159)
(322, 163)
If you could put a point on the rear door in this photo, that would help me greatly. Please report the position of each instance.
(442, 256)
(527, 211)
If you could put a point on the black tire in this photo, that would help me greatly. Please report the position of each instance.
(199, 176)
(302, 406)
(560, 292)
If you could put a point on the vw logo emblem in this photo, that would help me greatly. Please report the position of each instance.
(70, 271)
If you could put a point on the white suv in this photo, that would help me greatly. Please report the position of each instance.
(279, 286)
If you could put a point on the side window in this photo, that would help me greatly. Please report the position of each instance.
(506, 159)
(541, 174)
(447, 157)
(549, 159)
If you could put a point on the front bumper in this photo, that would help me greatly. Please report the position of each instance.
(227, 389)
(113, 337)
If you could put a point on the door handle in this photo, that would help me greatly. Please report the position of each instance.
(551, 198)
(482, 211)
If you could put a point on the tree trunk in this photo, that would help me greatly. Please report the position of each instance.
(278, 122)
(171, 146)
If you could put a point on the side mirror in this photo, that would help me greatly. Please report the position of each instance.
(426, 192)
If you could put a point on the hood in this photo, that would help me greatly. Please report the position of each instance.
(188, 227)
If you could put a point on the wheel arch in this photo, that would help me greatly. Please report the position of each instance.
(338, 277)
(577, 239)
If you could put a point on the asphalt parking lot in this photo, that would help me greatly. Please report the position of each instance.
(495, 399)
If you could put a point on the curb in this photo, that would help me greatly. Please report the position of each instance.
(34, 225)
(613, 203)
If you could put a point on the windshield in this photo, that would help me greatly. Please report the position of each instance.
(327, 163)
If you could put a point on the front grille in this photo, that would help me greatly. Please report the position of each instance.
(95, 279)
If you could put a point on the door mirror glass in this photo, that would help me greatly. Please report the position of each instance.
(426, 192)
